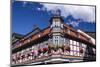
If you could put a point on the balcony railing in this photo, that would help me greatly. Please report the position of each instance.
(45, 53)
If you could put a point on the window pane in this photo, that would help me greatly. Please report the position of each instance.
(74, 48)
(77, 48)
(71, 47)
(71, 53)
(71, 42)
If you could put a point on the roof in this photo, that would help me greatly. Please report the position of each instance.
(92, 34)
(16, 37)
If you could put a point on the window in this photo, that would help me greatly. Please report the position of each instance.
(80, 45)
(71, 52)
(94, 50)
(56, 40)
(71, 42)
(75, 53)
(39, 35)
(64, 40)
(74, 42)
(77, 43)
(56, 22)
(29, 39)
(20, 44)
(61, 25)
(67, 41)
(78, 54)
(77, 48)
(68, 31)
(71, 47)
(84, 45)
(78, 35)
(74, 48)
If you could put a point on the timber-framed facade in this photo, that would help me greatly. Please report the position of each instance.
(56, 43)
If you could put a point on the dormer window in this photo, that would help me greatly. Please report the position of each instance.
(56, 23)
(56, 20)
(20, 44)
(68, 31)
(61, 25)
(39, 35)
(78, 35)
(29, 39)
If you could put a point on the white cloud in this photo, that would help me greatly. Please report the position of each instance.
(74, 23)
(86, 13)
(24, 3)
(38, 9)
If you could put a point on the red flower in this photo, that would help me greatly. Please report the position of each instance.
(45, 49)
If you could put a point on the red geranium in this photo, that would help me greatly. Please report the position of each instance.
(45, 49)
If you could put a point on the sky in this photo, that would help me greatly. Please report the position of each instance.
(26, 14)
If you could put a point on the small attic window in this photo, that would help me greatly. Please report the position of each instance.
(56, 20)
(29, 39)
(68, 31)
(78, 35)
(20, 44)
(39, 35)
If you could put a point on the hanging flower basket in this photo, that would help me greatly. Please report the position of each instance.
(45, 50)
(81, 50)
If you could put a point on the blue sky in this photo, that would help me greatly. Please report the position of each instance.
(27, 14)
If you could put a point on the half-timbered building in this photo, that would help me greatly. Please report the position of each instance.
(57, 43)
